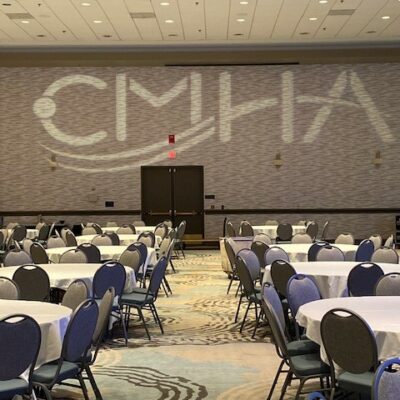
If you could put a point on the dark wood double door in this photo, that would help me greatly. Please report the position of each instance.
(174, 193)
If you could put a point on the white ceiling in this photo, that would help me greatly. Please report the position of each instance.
(71, 22)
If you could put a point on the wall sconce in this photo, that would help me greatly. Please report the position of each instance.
(378, 159)
(278, 162)
(53, 162)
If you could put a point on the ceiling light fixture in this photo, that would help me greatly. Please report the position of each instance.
(85, 4)
(313, 18)
(24, 21)
(240, 20)
(386, 17)
(97, 21)
(243, 3)
(169, 21)
(323, 1)
(164, 3)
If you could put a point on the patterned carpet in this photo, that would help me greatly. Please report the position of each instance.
(202, 355)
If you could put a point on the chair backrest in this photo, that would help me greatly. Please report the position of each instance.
(126, 229)
(157, 276)
(38, 254)
(91, 251)
(325, 230)
(275, 253)
(284, 232)
(245, 229)
(365, 250)
(385, 255)
(376, 240)
(388, 285)
(229, 229)
(389, 241)
(97, 228)
(18, 233)
(2, 238)
(164, 245)
(139, 223)
(344, 238)
(19, 346)
(271, 296)
(245, 277)
(252, 262)
(168, 222)
(259, 249)
(70, 239)
(330, 253)
(110, 274)
(24, 277)
(386, 385)
(76, 293)
(281, 272)
(302, 238)
(300, 290)
(54, 242)
(181, 230)
(230, 249)
(16, 257)
(110, 224)
(262, 237)
(114, 238)
(73, 256)
(89, 230)
(348, 341)
(131, 258)
(148, 238)
(272, 222)
(312, 230)
(172, 233)
(142, 248)
(79, 333)
(314, 249)
(9, 289)
(102, 240)
(363, 278)
(26, 245)
(161, 230)
(44, 232)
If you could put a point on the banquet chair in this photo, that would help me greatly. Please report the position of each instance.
(350, 344)
(249, 292)
(252, 262)
(180, 233)
(91, 251)
(316, 396)
(76, 342)
(386, 385)
(148, 238)
(272, 222)
(262, 237)
(324, 233)
(259, 249)
(330, 253)
(11, 225)
(312, 230)
(111, 274)
(363, 278)
(162, 251)
(114, 238)
(38, 254)
(302, 238)
(102, 240)
(275, 253)
(131, 258)
(281, 271)
(301, 357)
(33, 283)
(96, 227)
(385, 255)
(44, 233)
(70, 239)
(229, 229)
(344, 238)
(143, 251)
(18, 234)
(146, 300)
(284, 233)
(139, 223)
(314, 249)
(245, 229)
(126, 230)
(168, 222)
(16, 257)
(9, 289)
(364, 251)
(19, 348)
(376, 240)
(389, 242)
(111, 224)
(89, 230)
(26, 245)
(55, 242)
(73, 256)
(388, 285)
(161, 230)
(303, 222)
(230, 249)
(76, 293)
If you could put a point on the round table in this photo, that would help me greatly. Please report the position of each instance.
(139, 229)
(30, 233)
(271, 230)
(380, 312)
(62, 275)
(125, 239)
(330, 276)
(52, 319)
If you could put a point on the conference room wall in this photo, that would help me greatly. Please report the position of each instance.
(334, 127)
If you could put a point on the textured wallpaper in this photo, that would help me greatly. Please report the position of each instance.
(72, 138)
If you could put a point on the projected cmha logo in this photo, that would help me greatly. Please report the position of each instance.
(200, 129)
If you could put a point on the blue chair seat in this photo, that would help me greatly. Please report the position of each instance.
(136, 298)
(10, 388)
(300, 347)
(47, 372)
(360, 383)
(309, 364)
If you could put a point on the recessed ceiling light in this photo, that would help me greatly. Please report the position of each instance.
(9, 4)
(85, 4)
(24, 21)
(323, 1)
(107, 36)
(246, 2)
(164, 3)
(41, 35)
(372, 31)
(97, 21)
(172, 35)
(169, 21)
(386, 17)
(238, 34)
(304, 33)
(313, 18)
(240, 20)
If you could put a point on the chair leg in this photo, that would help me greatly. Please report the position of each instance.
(167, 284)
(44, 389)
(258, 317)
(285, 385)
(93, 383)
(144, 322)
(299, 389)
(238, 309)
(245, 316)
(239, 288)
(164, 288)
(83, 386)
(158, 318)
(278, 372)
(230, 284)
(172, 266)
(121, 316)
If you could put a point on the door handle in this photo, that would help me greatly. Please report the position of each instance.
(159, 213)
(187, 213)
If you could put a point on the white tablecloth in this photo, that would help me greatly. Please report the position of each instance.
(380, 312)
(139, 229)
(330, 276)
(124, 238)
(52, 319)
(241, 242)
(270, 230)
(62, 275)
(30, 233)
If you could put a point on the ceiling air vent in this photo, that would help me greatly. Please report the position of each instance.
(341, 12)
(142, 15)
(19, 16)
